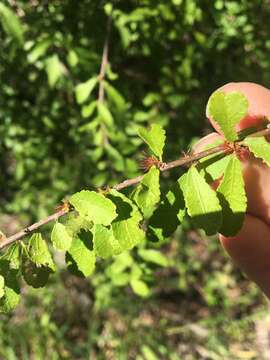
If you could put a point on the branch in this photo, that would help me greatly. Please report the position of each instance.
(104, 61)
(183, 161)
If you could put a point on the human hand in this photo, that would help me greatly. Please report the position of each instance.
(250, 248)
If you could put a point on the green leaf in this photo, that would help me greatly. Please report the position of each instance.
(154, 138)
(72, 58)
(88, 110)
(105, 114)
(153, 256)
(125, 208)
(232, 195)
(39, 253)
(54, 69)
(105, 244)
(82, 255)
(147, 193)
(128, 233)
(140, 287)
(83, 90)
(2, 286)
(115, 96)
(213, 165)
(202, 202)
(227, 110)
(168, 215)
(94, 207)
(12, 256)
(259, 147)
(34, 275)
(39, 50)
(60, 237)
(11, 296)
(11, 23)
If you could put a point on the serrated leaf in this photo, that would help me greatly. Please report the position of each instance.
(227, 110)
(168, 215)
(12, 256)
(105, 114)
(202, 202)
(11, 296)
(83, 90)
(154, 138)
(213, 165)
(259, 148)
(94, 207)
(232, 195)
(153, 256)
(11, 23)
(39, 253)
(128, 233)
(125, 208)
(2, 286)
(60, 237)
(105, 244)
(140, 287)
(82, 255)
(54, 69)
(34, 275)
(147, 193)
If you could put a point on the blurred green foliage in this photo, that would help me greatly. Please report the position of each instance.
(165, 59)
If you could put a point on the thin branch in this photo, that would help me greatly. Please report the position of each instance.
(183, 161)
(104, 61)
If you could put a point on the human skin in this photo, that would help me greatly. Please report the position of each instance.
(250, 248)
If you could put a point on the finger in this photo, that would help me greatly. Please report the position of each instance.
(250, 250)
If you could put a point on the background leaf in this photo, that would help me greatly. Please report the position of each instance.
(83, 90)
(11, 23)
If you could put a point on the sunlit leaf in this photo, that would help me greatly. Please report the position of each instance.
(154, 137)
(259, 147)
(11, 23)
(227, 110)
(83, 90)
(60, 237)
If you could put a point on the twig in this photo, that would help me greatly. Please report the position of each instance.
(104, 61)
(185, 160)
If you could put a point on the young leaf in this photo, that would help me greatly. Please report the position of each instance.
(147, 193)
(154, 138)
(128, 233)
(232, 195)
(54, 69)
(39, 253)
(94, 207)
(83, 90)
(259, 147)
(227, 110)
(2, 286)
(82, 255)
(105, 244)
(202, 202)
(60, 237)
(11, 23)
